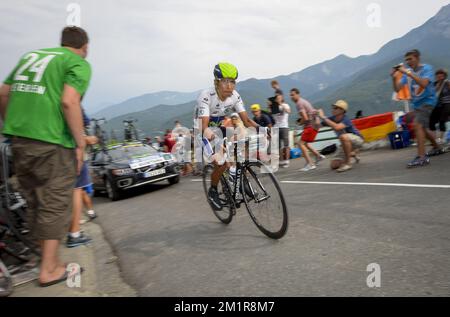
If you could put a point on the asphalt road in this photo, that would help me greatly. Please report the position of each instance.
(170, 244)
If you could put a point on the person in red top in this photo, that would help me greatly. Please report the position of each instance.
(169, 141)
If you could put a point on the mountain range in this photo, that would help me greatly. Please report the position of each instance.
(363, 81)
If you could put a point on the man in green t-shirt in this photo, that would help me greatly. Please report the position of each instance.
(40, 107)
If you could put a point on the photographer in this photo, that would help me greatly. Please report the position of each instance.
(419, 78)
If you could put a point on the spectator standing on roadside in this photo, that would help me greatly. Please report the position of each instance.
(308, 118)
(420, 80)
(282, 123)
(40, 106)
(75, 237)
(441, 112)
(276, 86)
(169, 141)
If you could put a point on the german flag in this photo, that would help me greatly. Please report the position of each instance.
(376, 127)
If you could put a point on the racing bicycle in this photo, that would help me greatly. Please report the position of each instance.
(130, 131)
(253, 185)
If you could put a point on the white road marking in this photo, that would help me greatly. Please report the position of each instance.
(368, 184)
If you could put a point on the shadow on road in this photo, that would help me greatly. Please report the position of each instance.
(131, 193)
(205, 235)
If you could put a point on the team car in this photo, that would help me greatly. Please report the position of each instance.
(119, 168)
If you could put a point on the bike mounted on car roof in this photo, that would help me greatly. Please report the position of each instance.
(130, 132)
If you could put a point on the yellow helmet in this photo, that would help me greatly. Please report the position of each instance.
(255, 107)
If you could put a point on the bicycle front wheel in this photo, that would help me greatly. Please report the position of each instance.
(264, 200)
(228, 209)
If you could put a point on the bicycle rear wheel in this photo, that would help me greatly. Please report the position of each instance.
(226, 214)
(264, 200)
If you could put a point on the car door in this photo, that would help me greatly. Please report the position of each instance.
(97, 168)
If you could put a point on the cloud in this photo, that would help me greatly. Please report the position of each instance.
(142, 46)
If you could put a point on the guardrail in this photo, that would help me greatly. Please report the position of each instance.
(322, 130)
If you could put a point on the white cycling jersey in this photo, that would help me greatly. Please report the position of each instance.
(209, 105)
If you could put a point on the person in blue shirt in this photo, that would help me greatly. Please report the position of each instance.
(349, 136)
(420, 80)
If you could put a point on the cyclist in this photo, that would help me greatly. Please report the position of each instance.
(213, 106)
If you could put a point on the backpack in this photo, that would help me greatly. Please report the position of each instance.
(271, 118)
(329, 149)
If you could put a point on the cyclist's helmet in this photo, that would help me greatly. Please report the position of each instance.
(225, 70)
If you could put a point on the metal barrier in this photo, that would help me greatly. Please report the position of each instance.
(322, 130)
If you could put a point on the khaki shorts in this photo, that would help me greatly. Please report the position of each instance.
(357, 143)
(46, 174)
(284, 138)
(423, 115)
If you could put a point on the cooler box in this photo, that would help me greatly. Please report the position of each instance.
(399, 139)
(296, 153)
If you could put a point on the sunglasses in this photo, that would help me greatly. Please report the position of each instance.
(227, 81)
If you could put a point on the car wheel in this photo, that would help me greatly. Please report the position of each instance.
(111, 190)
(174, 180)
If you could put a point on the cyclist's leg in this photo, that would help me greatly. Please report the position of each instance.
(217, 174)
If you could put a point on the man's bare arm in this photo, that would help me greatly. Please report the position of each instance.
(4, 98)
(247, 121)
(72, 112)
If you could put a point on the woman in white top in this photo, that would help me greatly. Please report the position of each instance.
(282, 123)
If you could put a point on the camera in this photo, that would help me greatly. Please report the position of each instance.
(397, 67)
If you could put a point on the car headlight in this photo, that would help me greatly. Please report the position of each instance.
(122, 172)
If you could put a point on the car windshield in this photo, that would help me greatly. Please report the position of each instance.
(131, 152)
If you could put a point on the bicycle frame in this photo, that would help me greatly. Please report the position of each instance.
(238, 178)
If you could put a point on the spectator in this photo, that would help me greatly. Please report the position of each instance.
(87, 202)
(75, 237)
(350, 138)
(359, 114)
(156, 143)
(169, 141)
(148, 140)
(309, 120)
(282, 123)
(161, 143)
(441, 112)
(419, 77)
(238, 126)
(43, 119)
(276, 86)
(88, 190)
(261, 118)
